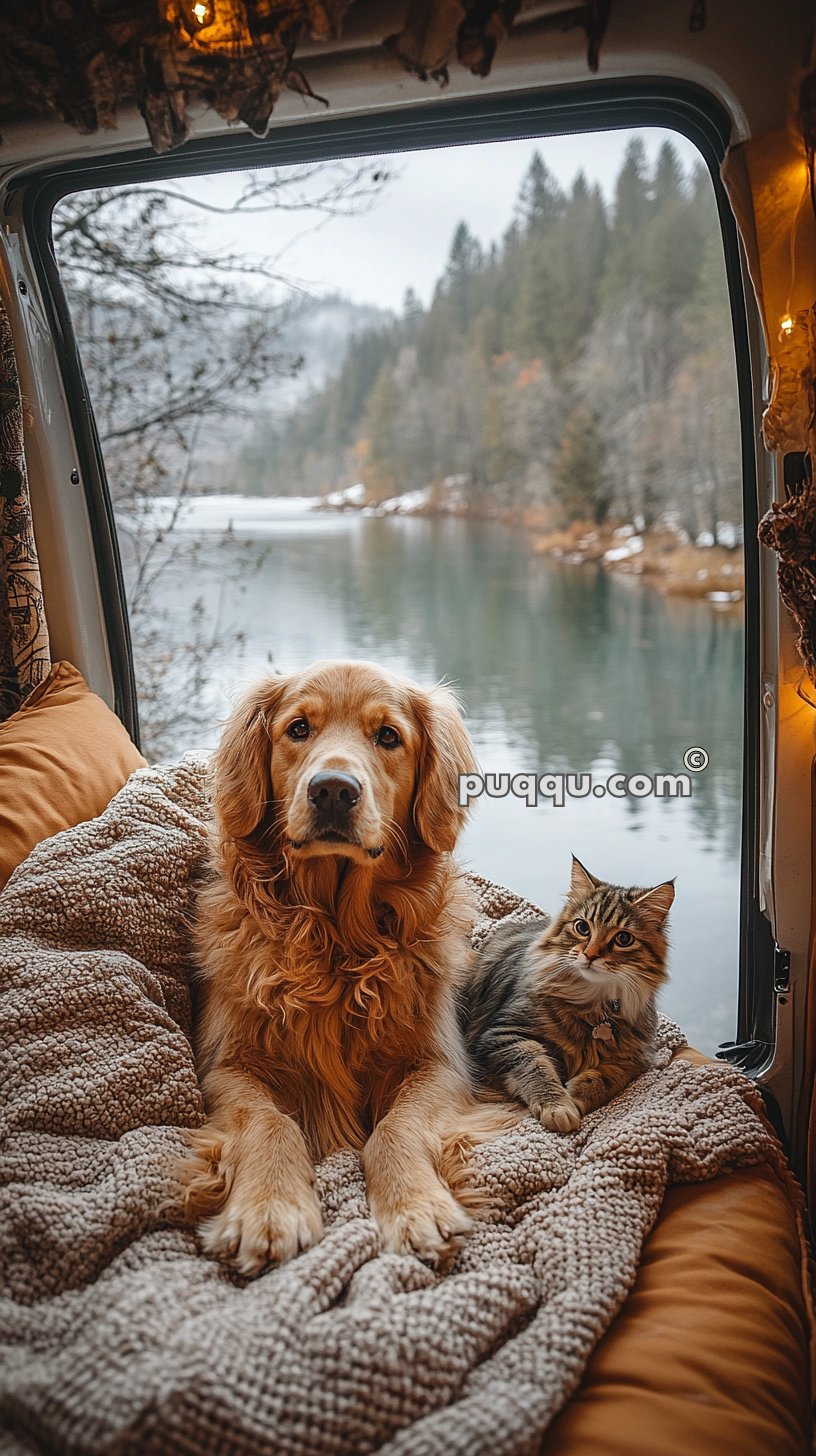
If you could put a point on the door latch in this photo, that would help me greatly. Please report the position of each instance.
(781, 970)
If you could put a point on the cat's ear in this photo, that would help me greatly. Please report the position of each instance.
(655, 904)
(582, 881)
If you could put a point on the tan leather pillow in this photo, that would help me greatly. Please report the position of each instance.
(709, 1355)
(63, 756)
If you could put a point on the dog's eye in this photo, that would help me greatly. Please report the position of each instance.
(299, 728)
(581, 927)
(387, 737)
(624, 937)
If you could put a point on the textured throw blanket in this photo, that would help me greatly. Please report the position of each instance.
(117, 1335)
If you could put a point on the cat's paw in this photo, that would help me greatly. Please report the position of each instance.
(561, 1116)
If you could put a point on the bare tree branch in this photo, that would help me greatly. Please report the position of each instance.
(177, 337)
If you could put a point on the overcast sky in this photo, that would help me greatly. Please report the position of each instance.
(404, 240)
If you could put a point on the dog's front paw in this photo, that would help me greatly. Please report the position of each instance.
(252, 1234)
(563, 1115)
(429, 1224)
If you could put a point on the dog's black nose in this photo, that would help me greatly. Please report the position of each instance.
(334, 794)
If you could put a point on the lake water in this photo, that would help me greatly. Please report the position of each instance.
(563, 669)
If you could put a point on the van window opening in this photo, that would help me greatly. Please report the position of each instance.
(471, 413)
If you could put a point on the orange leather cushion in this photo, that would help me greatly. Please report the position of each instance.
(709, 1355)
(63, 756)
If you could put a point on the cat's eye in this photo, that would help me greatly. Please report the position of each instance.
(582, 927)
(387, 737)
(299, 729)
(624, 938)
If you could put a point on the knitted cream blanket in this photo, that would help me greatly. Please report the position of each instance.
(117, 1335)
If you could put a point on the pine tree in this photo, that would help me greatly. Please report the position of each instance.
(667, 184)
(579, 257)
(412, 316)
(540, 202)
(502, 461)
(486, 334)
(672, 238)
(435, 336)
(581, 477)
(352, 387)
(537, 303)
(632, 189)
(464, 261)
(631, 213)
(380, 425)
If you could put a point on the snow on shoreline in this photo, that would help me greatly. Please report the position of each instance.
(248, 513)
(255, 515)
(353, 498)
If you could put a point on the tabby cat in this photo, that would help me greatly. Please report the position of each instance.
(563, 1018)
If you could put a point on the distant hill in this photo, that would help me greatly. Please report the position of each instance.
(318, 331)
(321, 329)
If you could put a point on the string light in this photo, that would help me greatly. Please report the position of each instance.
(786, 323)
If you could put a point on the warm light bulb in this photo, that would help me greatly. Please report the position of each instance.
(785, 326)
(196, 15)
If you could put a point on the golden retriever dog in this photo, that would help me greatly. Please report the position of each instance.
(331, 940)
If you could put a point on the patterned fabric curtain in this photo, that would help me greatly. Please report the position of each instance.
(25, 658)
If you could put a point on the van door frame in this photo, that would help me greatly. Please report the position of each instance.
(593, 106)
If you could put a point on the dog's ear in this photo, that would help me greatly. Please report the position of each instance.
(242, 763)
(445, 752)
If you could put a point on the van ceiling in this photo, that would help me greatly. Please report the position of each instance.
(88, 76)
(81, 60)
